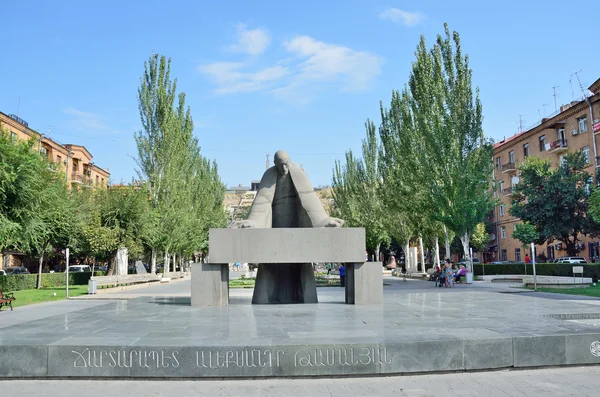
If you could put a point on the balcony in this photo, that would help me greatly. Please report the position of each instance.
(507, 191)
(76, 177)
(558, 146)
(509, 168)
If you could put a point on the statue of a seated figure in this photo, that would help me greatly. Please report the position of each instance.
(286, 198)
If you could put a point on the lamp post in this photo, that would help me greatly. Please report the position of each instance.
(67, 271)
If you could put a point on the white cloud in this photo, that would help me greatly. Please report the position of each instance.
(87, 122)
(231, 77)
(310, 66)
(402, 17)
(354, 70)
(253, 42)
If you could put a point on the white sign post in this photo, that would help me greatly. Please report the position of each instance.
(533, 262)
(67, 271)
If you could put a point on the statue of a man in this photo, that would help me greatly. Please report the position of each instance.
(286, 198)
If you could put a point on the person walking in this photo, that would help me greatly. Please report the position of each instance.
(342, 270)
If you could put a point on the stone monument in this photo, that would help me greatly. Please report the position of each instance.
(121, 262)
(286, 199)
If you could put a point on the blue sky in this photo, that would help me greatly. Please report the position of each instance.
(263, 75)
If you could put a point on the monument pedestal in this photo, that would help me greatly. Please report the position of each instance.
(210, 284)
(364, 283)
(281, 249)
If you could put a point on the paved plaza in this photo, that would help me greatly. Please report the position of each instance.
(154, 332)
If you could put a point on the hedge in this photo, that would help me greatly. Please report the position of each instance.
(541, 269)
(17, 282)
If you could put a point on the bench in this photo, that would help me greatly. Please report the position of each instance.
(125, 279)
(6, 299)
(210, 281)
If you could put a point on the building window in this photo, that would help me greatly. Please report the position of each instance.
(504, 259)
(13, 136)
(517, 253)
(502, 231)
(498, 163)
(511, 157)
(500, 186)
(515, 227)
(542, 143)
(44, 152)
(526, 150)
(586, 153)
(98, 178)
(103, 180)
(501, 209)
(58, 160)
(582, 122)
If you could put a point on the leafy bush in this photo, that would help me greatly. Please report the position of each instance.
(19, 282)
(542, 269)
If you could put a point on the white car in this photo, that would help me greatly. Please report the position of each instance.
(79, 268)
(571, 259)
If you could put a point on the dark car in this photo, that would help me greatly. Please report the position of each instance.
(16, 270)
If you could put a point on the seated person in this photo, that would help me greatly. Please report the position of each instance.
(461, 273)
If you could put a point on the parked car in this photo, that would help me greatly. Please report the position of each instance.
(476, 261)
(571, 259)
(79, 268)
(16, 270)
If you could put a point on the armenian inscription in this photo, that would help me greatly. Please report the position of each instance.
(221, 359)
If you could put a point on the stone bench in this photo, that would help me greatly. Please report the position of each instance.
(210, 281)
(125, 279)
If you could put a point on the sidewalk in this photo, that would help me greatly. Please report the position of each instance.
(573, 381)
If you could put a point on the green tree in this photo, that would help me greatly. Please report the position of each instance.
(119, 218)
(36, 211)
(439, 162)
(526, 234)
(357, 193)
(555, 201)
(185, 191)
(480, 237)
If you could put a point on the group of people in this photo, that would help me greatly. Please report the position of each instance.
(446, 276)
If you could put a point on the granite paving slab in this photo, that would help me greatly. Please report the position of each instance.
(155, 332)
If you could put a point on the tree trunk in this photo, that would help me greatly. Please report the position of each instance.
(39, 280)
(570, 246)
(112, 264)
(167, 263)
(153, 261)
(436, 258)
(422, 253)
(447, 242)
(406, 247)
(464, 239)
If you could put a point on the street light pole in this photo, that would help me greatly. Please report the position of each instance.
(533, 262)
(67, 272)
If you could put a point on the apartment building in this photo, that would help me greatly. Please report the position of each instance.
(74, 160)
(574, 127)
